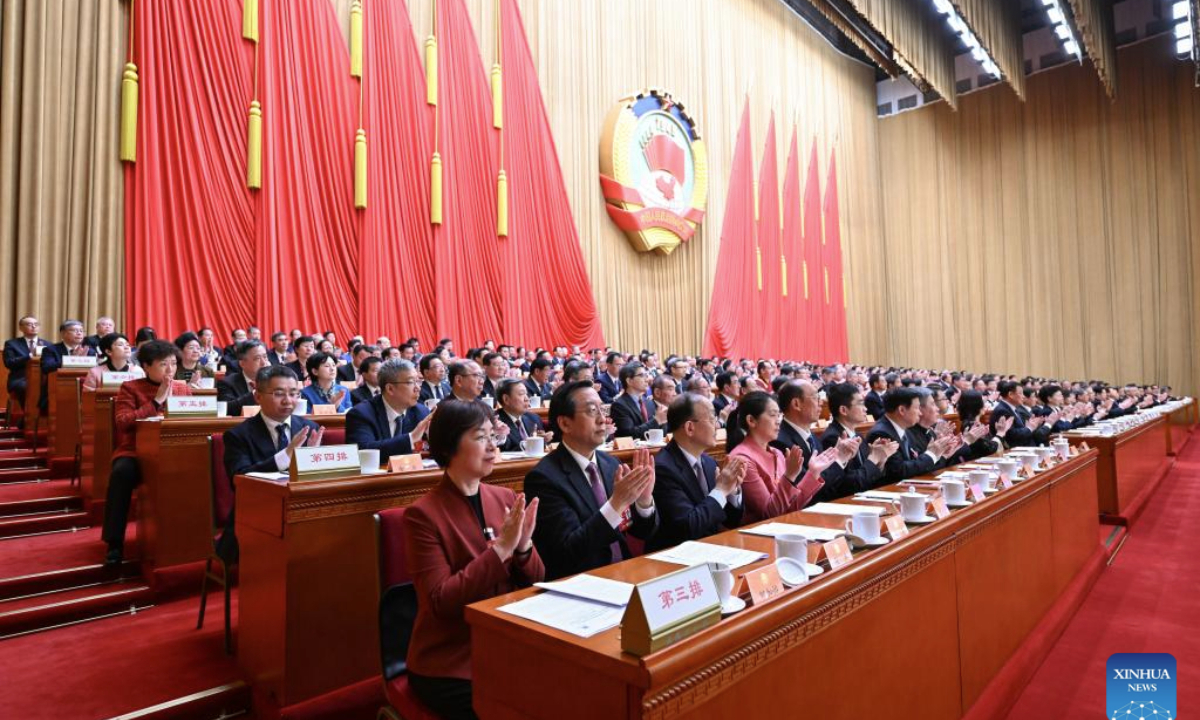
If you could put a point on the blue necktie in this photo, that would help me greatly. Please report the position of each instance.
(283, 438)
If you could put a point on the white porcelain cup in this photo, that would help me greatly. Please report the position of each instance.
(1009, 468)
(222, 408)
(792, 545)
(206, 383)
(533, 446)
(654, 436)
(431, 403)
(912, 505)
(535, 401)
(1063, 447)
(368, 461)
(983, 478)
(1029, 460)
(1045, 453)
(865, 525)
(301, 407)
(955, 491)
(723, 578)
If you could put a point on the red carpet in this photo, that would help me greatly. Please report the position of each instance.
(55, 551)
(1144, 602)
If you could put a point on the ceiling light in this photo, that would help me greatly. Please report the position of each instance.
(942, 6)
(1184, 46)
(1183, 29)
(1071, 47)
(1181, 10)
(1063, 32)
(1055, 15)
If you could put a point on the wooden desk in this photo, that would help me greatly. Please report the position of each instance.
(33, 396)
(63, 388)
(98, 438)
(1180, 423)
(914, 628)
(1129, 462)
(176, 490)
(308, 600)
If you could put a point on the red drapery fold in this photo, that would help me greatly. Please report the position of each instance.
(466, 252)
(835, 316)
(795, 337)
(552, 308)
(189, 221)
(815, 299)
(307, 251)
(770, 299)
(396, 249)
(734, 283)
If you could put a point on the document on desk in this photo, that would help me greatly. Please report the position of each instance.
(843, 509)
(884, 495)
(272, 476)
(570, 614)
(697, 553)
(772, 529)
(590, 587)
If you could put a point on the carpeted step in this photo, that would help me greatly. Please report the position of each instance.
(66, 579)
(224, 701)
(72, 606)
(43, 522)
(9, 433)
(39, 506)
(21, 461)
(21, 476)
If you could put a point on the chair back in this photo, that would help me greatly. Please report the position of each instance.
(398, 597)
(222, 484)
(334, 436)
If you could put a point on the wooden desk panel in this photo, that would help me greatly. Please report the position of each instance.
(63, 387)
(1073, 524)
(967, 579)
(1180, 423)
(33, 395)
(98, 438)
(1128, 463)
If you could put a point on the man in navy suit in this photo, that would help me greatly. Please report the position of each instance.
(861, 468)
(610, 379)
(514, 412)
(71, 343)
(495, 367)
(278, 353)
(369, 372)
(236, 389)
(17, 353)
(591, 506)
(633, 412)
(266, 442)
(538, 382)
(801, 408)
(694, 500)
(874, 398)
(393, 422)
(433, 370)
(902, 409)
(1023, 432)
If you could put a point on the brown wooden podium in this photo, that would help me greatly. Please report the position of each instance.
(915, 628)
(63, 388)
(1129, 462)
(98, 439)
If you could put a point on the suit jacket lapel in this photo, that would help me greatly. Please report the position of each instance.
(381, 418)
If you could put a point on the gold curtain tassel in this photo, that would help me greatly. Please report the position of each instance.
(758, 264)
(435, 189)
(502, 205)
(783, 271)
(431, 70)
(250, 20)
(254, 147)
(360, 169)
(497, 97)
(356, 38)
(129, 108)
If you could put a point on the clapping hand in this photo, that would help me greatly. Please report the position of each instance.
(517, 528)
(338, 397)
(631, 484)
(882, 449)
(795, 463)
(817, 464)
(1035, 422)
(847, 448)
(1004, 424)
(729, 480)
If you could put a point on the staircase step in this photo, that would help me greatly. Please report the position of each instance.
(224, 701)
(9, 476)
(75, 606)
(43, 522)
(66, 578)
(19, 461)
(9, 433)
(36, 506)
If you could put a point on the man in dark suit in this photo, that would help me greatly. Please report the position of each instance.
(874, 398)
(1051, 397)
(930, 427)
(230, 352)
(728, 390)
(859, 466)
(433, 372)
(235, 389)
(104, 326)
(610, 379)
(538, 382)
(902, 408)
(348, 374)
(694, 500)
(632, 412)
(303, 347)
(590, 504)
(17, 353)
(394, 422)
(514, 412)
(466, 380)
(70, 343)
(266, 442)
(369, 372)
(801, 408)
(277, 355)
(1023, 432)
(495, 367)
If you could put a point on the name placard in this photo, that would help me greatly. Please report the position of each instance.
(669, 608)
(113, 379)
(976, 492)
(895, 526)
(837, 551)
(1005, 482)
(192, 406)
(623, 443)
(764, 584)
(78, 361)
(405, 463)
(312, 463)
(324, 409)
(250, 411)
(940, 509)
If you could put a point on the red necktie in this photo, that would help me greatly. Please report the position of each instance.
(645, 413)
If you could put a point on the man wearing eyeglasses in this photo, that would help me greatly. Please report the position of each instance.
(466, 380)
(266, 442)
(632, 411)
(394, 421)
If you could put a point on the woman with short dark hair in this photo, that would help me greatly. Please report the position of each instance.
(324, 388)
(465, 541)
(115, 349)
(191, 370)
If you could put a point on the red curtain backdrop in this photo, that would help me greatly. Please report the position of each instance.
(189, 219)
(466, 252)
(770, 299)
(796, 335)
(540, 308)
(835, 317)
(396, 248)
(307, 251)
(730, 315)
(815, 300)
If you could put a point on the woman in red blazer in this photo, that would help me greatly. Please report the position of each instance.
(137, 399)
(465, 541)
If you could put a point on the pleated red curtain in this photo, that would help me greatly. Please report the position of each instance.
(540, 308)
(189, 219)
(837, 345)
(734, 284)
(769, 297)
(466, 252)
(814, 276)
(307, 251)
(795, 337)
(396, 247)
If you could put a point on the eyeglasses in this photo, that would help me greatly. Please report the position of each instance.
(281, 394)
(591, 410)
(413, 383)
(489, 439)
